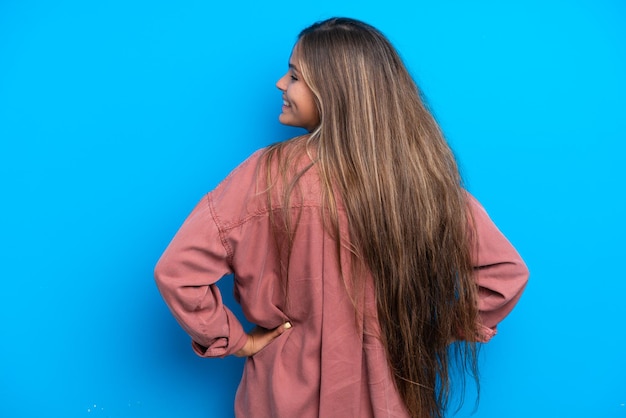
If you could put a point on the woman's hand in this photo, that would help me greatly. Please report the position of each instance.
(259, 337)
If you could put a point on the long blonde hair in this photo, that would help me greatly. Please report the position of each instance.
(380, 152)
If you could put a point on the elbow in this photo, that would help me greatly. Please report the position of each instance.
(160, 275)
(500, 293)
(522, 275)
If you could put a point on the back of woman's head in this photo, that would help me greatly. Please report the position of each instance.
(355, 73)
(346, 62)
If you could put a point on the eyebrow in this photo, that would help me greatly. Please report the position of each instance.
(293, 67)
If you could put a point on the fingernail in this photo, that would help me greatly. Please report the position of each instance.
(287, 325)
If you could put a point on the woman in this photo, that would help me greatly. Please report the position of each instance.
(354, 247)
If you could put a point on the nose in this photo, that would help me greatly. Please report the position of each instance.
(281, 84)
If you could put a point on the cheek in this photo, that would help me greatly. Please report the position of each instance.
(310, 103)
(314, 112)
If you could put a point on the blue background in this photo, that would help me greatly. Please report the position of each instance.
(116, 117)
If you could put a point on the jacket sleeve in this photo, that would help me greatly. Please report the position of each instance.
(186, 275)
(500, 272)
